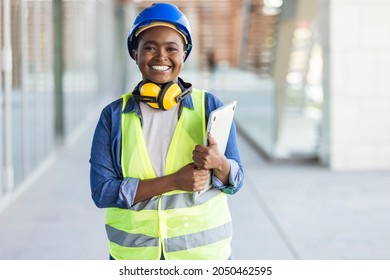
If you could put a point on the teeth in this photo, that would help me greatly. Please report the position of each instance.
(160, 67)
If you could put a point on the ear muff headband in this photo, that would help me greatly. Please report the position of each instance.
(161, 97)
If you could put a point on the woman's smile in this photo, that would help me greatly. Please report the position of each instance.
(160, 68)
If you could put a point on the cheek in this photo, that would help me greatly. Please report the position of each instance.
(179, 66)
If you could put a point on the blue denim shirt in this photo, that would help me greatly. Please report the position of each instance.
(109, 187)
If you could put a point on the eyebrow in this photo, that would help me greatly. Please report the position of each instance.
(165, 43)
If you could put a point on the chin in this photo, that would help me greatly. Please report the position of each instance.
(162, 80)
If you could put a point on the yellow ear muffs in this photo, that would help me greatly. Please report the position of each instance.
(162, 97)
(150, 92)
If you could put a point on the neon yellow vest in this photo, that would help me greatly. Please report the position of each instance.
(179, 224)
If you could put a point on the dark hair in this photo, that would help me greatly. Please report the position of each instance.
(136, 41)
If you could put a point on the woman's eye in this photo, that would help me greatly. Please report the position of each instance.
(149, 48)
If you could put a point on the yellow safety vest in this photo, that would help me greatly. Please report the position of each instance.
(179, 224)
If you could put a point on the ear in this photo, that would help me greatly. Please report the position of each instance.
(135, 54)
(184, 55)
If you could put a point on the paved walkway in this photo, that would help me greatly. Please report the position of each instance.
(285, 210)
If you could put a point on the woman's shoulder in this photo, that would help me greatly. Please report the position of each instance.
(113, 106)
(212, 101)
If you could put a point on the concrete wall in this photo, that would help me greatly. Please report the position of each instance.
(356, 41)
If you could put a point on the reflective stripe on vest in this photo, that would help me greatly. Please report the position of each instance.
(180, 224)
(183, 242)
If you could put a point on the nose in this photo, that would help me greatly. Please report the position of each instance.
(161, 54)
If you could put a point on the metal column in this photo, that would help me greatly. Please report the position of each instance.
(7, 87)
(58, 70)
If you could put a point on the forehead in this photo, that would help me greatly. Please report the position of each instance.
(161, 34)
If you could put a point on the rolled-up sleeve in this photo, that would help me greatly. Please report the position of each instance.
(235, 179)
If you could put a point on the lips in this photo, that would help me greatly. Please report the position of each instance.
(160, 67)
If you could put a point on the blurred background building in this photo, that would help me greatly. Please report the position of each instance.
(318, 69)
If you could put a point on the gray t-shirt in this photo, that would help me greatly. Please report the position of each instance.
(158, 126)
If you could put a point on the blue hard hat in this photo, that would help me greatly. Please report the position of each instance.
(161, 12)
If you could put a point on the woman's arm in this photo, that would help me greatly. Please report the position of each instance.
(110, 189)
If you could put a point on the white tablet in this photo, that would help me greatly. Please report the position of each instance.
(219, 124)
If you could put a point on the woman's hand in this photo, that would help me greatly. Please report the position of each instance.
(209, 157)
(191, 178)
